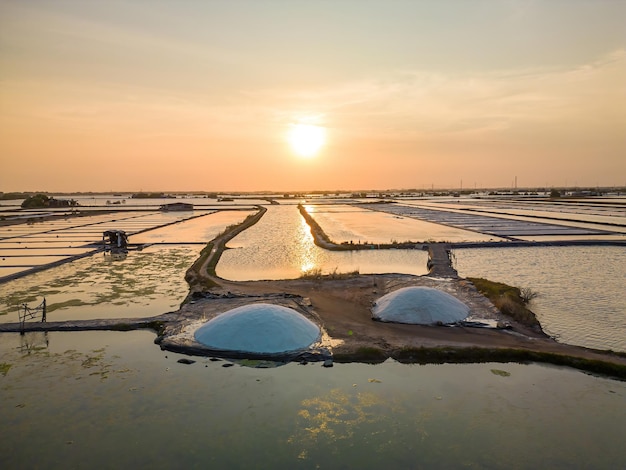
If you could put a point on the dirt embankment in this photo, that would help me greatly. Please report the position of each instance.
(343, 308)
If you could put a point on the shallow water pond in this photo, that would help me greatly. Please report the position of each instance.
(581, 289)
(122, 402)
(280, 246)
(141, 284)
(371, 226)
(201, 229)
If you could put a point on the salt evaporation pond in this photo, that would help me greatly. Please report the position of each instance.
(143, 284)
(581, 289)
(280, 246)
(259, 328)
(343, 223)
(124, 403)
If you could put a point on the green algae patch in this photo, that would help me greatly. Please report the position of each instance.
(4, 368)
(501, 373)
(67, 303)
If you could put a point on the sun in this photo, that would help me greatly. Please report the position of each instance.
(306, 140)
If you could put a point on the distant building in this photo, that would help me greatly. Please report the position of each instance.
(177, 206)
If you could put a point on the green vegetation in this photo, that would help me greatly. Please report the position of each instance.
(316, 273)
(39, 201)
(13, 196)
(509, 300)
(4, 368)
(67, 303)
(194, 275)
(36, 201)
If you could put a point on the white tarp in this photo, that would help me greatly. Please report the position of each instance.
(259, 328)
(419, 305)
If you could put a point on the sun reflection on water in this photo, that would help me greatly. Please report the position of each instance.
(305, 250)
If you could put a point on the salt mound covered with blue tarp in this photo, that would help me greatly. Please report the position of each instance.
(259, 328)
(420, 306)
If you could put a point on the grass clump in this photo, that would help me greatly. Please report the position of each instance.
(509, 300)
(316, 273)
(4, 368)
(157, 326)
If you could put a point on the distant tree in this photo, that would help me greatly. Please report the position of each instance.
(12, 196)
(555, 193)
(39, 201)
(36, 201)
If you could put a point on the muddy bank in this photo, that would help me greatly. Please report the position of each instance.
(342, 308)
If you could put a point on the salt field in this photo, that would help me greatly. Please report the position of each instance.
(115, 390)
(140, 283)
(21, 245)
(347, 223)
(506, 227)
(313, 235)
(280, 246)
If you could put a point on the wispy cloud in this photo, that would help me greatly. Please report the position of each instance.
(425, 103)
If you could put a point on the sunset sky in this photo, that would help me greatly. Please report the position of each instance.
(204, 95)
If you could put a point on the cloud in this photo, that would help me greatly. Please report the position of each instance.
(421, 103)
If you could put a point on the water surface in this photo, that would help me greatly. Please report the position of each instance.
(581, 289)
(280, 246)
(124, 403)
(141, 284)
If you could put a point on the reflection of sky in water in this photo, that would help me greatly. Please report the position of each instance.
(589, 211)
(363, 226)
(144, 283)
(350, 416)
(280, 246)
(581, 289)
(202, 229)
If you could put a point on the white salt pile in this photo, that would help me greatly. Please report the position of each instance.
(259, 328)
(419, 305)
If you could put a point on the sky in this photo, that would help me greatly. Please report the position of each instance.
(202, 95)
